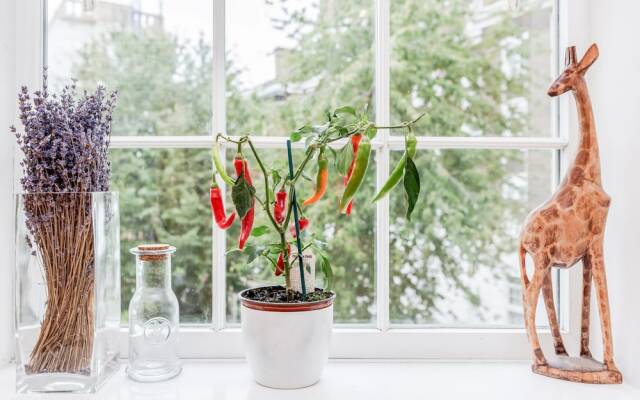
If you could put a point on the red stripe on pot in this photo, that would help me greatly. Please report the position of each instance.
(286, 307)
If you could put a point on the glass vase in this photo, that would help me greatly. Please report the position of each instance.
(67, 310)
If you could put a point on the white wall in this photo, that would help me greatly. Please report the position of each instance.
(7, 109)
(614, 82)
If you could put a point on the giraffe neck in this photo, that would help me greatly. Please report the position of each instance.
(587, 152)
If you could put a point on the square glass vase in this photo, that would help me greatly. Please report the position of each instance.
(67, 291)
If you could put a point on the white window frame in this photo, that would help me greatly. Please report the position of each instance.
(384, 340)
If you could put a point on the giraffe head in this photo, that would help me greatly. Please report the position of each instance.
(574, 70)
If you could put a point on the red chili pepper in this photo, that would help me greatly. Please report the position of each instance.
(349, 207)
(246, 226)
(242, 168)
(280, 263)
(321, 180)
(304, 223)
(281, 203)
(217, 207)
(238, 163)
(355, 142)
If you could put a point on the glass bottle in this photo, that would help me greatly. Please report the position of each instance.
(153, 317)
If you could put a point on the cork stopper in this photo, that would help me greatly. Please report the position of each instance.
(153, 252)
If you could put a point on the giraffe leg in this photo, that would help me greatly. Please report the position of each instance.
(531, 301)
(586, 306)
(597, 262)
(547, 294)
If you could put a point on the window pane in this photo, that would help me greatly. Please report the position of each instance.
(350, 243)
(157, 53)
(289, 61)
(477, 68)
(164, 198)
(455, 262)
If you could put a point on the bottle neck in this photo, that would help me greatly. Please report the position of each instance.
(153, 274)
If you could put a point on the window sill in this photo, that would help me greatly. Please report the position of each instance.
(344, 379)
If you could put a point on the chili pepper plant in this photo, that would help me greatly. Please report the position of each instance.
(345, 137)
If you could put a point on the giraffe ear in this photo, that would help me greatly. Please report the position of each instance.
(589, 58)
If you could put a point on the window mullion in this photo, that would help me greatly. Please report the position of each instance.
(218, 124)
(382, 62)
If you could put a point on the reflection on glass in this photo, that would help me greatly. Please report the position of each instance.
(349, 242)
(157, 53)
(289, 61)
(455, 262)
(164, 198)
(476, 67)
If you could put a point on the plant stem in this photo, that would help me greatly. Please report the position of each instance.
(228, 139)
(403, 125)
(287, 266)
(266, 185)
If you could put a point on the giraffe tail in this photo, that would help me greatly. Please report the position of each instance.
(523, 267)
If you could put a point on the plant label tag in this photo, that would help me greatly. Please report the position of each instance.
(309, 264)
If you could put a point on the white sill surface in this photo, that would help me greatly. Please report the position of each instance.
(347, 379)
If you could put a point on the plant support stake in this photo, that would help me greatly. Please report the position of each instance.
(296, 222)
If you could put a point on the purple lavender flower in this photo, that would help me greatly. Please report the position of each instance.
(65, 139)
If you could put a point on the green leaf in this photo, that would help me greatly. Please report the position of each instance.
(274, 248)
(305, 176)
(305, 129)
(275, 178)
(309, 140)
(345, 110)
(234, 250)
(295, 136)
(237, 250)
(371, 131)
(271, 260)
(242, 195)
(332, 151)
(260, 230)
(411, 185)
(325, 265)
(343, 160)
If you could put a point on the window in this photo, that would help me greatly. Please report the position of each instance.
(489, 145)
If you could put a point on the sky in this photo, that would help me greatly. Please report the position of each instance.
(250, 37)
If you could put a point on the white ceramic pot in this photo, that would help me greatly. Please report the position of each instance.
(287, 344)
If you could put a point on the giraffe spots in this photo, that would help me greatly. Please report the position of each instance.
(549, 213)
(604, 201)
(567, 252)
(551, 235)
(581, 246)
(577, 176)
(595, 252)
(582, 157)
(532, 243)
(566, 197)
(596, 225)
(586, 138)
(562, 253)
(594, 171)
(536, 226)
(584, 207)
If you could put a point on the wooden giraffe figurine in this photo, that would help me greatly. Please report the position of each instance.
(566, 229)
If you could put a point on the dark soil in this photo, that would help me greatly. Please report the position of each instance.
(278, 294)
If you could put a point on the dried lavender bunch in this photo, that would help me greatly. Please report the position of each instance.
(65, 143)
(65, 139)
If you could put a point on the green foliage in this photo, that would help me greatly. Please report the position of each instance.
(411, 184)
(242, 195)
(165, 89)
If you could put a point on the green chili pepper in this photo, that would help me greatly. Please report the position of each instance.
(215, 157)
(398, 171)
(359, 172)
